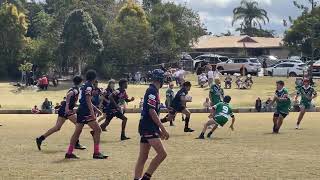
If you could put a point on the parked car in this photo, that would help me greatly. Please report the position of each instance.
(269, 59)
(285, 60)
(316, 68)
(212, 59)
(240, 65)
(288, 68)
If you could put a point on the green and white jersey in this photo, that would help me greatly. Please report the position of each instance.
(216, 94)
(283, 106)
(306, 94)
(223, 109)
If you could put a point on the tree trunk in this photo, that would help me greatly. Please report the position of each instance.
(79, 66)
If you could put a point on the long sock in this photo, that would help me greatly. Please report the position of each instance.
(96, 149)
(123, 133)
(146, 176)
(202, 134)
(42, 138)
(187, 122)
(77, 143)
(70, 149)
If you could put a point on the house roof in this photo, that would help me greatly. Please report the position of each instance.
(214, 42)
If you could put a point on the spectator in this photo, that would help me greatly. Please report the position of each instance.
(141, 103)
(228, 82)
(268, 105)
(181, 76)
(46, 106)
(169, 95)
(264, 67)
(206, 104)
(137, 77)
(45, 82)
(210, 77)
(258, 105)
(203, 80)
(239, 82)
(216, 74)
(162, 67)
(248, 82)
(35, 110)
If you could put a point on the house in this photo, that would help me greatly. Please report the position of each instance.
(241, 46)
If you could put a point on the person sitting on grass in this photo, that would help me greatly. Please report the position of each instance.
(206, 104)
(248, 82)
(57, 107)
(239, 82)
(46, 106)
(228, 82)
(35, 110)
(203, 80)
(219, 116)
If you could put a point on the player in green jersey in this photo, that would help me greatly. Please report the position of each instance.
(283, 106)
(220, 115)
(307, 93)
(216, 93)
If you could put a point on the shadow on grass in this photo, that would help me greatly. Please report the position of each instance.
(52, 151)
(63, 161)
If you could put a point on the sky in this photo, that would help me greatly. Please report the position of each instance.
(217, 14)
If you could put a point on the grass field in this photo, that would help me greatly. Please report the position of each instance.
(251, 152)
(263, 87)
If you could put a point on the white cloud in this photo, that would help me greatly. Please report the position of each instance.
(217, 14)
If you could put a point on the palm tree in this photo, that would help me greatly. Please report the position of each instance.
(251, 16)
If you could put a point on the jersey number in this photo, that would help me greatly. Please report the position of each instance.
(225, 109)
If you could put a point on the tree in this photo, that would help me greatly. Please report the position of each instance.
(251, 17)
(13, 27)
(304, 32)
(81, 40)
(175, 29)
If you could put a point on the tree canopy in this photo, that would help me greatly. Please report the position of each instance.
(251, 18)
(61, 35)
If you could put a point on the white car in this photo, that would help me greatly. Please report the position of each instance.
(288, 68)
(239, 65)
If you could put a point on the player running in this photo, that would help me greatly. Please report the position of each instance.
(65, 112)
(115, 110)
(179, 106)
(105, 99)
(86, 114)
(220, 115)
(283, 106)
(216, 93)
(307, 93)
(151, 129)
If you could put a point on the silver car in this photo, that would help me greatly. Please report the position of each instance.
(240, 65)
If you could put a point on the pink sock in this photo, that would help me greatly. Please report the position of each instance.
(70, 149)
(96, 149)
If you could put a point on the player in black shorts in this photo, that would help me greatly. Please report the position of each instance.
(151, 129)
(65, 112)
(86, 114)
(105, 99)
(179, 106)
(115, 110)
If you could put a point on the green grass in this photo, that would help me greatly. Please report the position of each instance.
(263, 87)
(250, 152)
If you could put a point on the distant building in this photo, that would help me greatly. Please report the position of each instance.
(241, 46)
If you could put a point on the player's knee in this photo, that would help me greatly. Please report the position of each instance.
(98, 130)
(163, 155)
